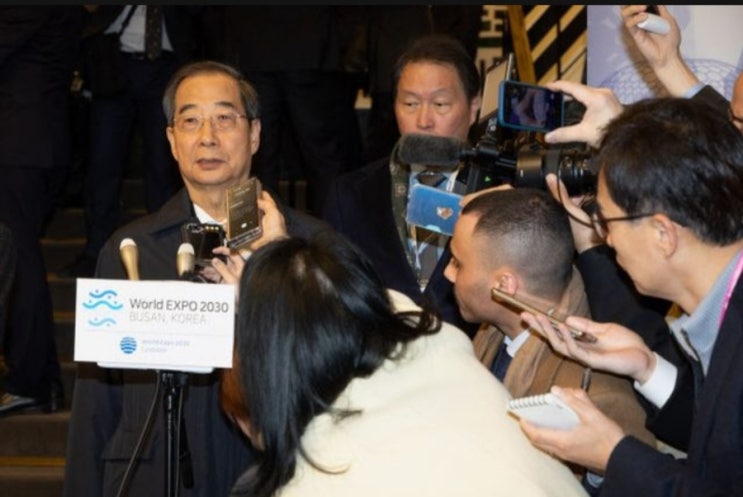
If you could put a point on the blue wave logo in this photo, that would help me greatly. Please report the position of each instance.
(128, 345)
(106, 299)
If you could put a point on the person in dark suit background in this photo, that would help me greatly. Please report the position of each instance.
(8, 257)
(115, 112)
(437, 93)
(294, 56)
(391, 28)
(37, 53)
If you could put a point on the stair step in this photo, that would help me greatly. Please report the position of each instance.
(69, 222)
(34, 434)
(64, 334)
(63, 291)
(31, 480)
(60, 252)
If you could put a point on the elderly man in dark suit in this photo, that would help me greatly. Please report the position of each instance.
(37, 50)
(214, 130)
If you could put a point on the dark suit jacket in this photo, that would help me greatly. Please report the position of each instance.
(715, 455)
(37, 51)
(110, 407)
(279, 37)
(180, 24)
(359, 207)
(612, 297)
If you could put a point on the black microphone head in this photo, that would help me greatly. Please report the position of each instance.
(431, 150)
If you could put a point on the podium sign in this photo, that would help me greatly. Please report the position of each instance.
(163, 325)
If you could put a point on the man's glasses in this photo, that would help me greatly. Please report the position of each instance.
(191, 123)
(601, 223)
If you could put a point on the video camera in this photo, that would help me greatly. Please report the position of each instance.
(504, 156)
(509, 151)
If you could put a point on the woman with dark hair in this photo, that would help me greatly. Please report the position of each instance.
(347, 388)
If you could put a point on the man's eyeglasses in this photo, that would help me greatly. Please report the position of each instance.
(601, 223)
(224, 121)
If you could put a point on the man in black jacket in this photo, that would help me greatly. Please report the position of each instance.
(213, 130)
(437, 93)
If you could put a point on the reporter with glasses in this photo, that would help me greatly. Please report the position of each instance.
(214, 130)
(669, 205)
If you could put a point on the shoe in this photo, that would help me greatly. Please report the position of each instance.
(82, 267)
(10, 404)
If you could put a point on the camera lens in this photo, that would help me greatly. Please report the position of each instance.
(572, 166)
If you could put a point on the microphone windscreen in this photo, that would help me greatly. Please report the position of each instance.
(185, 259)
(130, 258)
(430, 150)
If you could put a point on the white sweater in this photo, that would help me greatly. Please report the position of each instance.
(432, 424)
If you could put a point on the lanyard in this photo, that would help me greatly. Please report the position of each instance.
(731, 286)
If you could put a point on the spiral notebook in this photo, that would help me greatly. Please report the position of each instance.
(544, 410)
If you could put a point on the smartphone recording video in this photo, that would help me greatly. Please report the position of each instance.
(529, 107)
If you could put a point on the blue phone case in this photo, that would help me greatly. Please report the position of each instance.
(543, 113)
(434, 209)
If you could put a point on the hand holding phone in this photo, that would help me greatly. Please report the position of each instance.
(578, 335)
(243, 216)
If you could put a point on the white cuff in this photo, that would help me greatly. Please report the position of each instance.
(661, 383)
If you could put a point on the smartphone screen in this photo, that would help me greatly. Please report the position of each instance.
(243, 215)
(578, 335)
(530, 107)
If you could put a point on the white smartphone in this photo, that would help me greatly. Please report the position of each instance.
(578, 335)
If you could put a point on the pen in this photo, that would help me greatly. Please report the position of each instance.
(586, 381)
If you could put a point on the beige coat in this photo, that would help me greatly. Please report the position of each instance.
(536, 367)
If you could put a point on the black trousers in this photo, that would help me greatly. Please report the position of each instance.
(26, 198)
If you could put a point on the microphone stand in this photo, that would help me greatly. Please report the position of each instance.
(174, 383)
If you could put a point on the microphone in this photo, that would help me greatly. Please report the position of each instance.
(130, 258)
(431, 150)
(184, 260)
(434, 150)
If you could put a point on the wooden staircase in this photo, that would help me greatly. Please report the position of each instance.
(32, 446)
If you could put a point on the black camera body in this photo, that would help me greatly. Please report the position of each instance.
(507, 156)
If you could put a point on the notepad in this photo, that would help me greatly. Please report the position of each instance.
(545, 410)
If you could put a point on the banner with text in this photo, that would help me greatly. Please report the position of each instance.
(169, 325)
